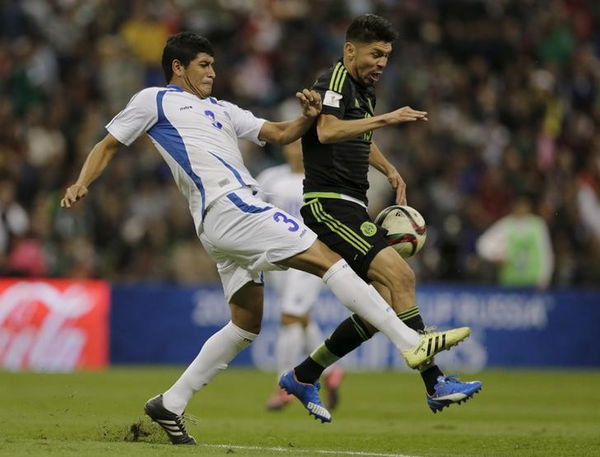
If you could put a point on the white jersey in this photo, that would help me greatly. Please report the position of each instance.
(282, 188)
(198, 138)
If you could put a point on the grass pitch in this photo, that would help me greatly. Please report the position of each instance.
(542, 413)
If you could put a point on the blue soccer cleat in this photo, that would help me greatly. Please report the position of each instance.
(308, 394)
(449, 390)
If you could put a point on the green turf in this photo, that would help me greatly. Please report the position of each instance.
(530, 413)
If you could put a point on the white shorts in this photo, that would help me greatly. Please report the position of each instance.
(247, 236)
(295, 290)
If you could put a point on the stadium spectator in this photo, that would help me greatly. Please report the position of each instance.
(14, 221)
(520, 245)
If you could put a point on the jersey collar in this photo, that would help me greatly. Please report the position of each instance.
(358, 83)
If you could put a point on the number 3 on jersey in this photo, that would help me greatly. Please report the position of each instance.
(216, 124)
(280, 217)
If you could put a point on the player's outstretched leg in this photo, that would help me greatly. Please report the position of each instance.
(332, 380)
(278, 400)
(449, 390)
(308, 394)
(173, 424)
(431, 343)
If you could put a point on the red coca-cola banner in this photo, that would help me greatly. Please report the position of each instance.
(53, 325)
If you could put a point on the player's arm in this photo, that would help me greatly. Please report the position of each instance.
(383, 165)
(93, 166)
(492, 244)
(289, 131)
(330, 129)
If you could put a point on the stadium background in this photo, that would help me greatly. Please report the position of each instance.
(511, 88)
(512, 92)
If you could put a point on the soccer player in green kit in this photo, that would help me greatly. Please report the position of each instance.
(338, 150)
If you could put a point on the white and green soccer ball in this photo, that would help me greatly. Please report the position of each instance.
(406, 229)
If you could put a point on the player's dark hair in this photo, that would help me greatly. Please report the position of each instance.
(184, 47)
(368, 28)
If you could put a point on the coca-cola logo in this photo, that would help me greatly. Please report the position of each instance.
(36, 326)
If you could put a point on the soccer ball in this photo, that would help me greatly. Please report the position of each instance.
(406, 229)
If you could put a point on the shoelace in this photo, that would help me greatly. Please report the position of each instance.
(192, 419)
(430, 329)
(453, 378)
(180, 421)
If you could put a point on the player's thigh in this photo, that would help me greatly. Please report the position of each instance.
(346, 228)
(316, 260)
(233, 276)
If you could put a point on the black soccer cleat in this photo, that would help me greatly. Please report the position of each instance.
(170, 422)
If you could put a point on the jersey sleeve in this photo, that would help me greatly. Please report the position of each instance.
(335, 90)
(246, 125)
(492, 244)
(137, 117)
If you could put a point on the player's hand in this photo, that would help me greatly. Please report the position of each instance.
(398, 185)
(310, 101)
(73, 194)
(407, 114)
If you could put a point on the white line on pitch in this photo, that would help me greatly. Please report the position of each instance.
(305, 451)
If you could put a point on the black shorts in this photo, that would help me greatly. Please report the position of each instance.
(347, 229)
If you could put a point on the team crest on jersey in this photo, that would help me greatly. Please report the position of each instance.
(368, 228)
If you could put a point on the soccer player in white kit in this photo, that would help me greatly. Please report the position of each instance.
(197, 136)
(295, 291)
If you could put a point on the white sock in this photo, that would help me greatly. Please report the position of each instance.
(364, 300)
(290, 343)
(214, 357)
(313, 336)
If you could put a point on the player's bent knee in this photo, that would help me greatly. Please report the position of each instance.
(392, 270)
(249, 322)
(249, 325)
(291, 319)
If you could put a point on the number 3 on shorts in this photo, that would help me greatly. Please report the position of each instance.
(280, 217)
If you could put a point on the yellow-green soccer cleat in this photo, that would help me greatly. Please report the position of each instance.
(430, 343)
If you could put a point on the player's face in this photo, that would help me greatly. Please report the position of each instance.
(370, 59)
(200, 74)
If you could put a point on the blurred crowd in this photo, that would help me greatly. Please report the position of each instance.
(511, 87)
